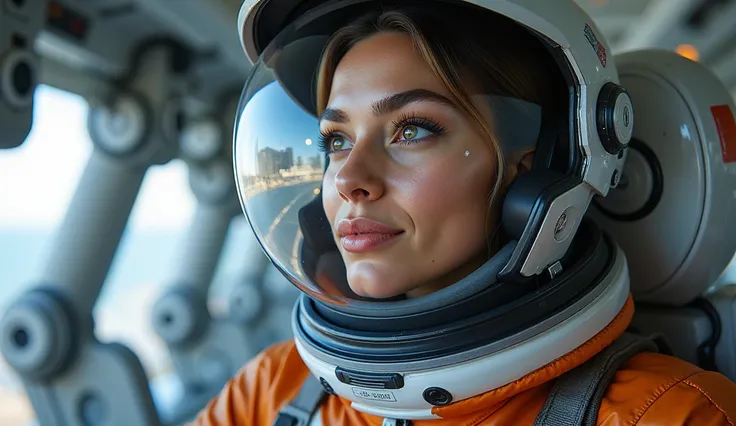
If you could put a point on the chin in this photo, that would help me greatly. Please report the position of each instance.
(369, 281)
(374, 290)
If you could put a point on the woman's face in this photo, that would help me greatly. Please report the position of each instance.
(410, 174)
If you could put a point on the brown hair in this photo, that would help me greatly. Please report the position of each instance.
(468, 49)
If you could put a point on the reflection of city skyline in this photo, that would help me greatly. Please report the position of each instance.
(280, 162)
(275, 145)
(270, 161)
(277, 168)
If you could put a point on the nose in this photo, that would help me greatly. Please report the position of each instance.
(359, 178)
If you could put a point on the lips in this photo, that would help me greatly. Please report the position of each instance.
(360, 235)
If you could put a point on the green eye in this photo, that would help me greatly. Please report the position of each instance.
(410, 132)
(338, 143)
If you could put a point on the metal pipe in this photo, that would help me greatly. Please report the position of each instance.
(89, 236)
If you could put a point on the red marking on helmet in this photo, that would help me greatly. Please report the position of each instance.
(601, 52)
(726, 126)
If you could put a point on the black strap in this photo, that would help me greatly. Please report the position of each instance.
(576, 396)
(300, 410)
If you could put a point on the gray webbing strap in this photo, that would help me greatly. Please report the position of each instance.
(576, 396)
(300, 410)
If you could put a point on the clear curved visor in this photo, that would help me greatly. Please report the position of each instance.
(280, 164)
(279, 168)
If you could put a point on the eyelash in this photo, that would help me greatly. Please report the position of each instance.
(403, 121)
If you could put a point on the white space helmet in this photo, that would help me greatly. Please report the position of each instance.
(674, 212)
(552, 287)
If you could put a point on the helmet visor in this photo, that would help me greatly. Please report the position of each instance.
(280, 161)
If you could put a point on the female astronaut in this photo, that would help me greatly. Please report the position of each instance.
(421, 172)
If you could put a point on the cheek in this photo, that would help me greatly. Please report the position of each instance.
(450, 189)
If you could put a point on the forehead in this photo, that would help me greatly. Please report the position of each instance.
(381, 65)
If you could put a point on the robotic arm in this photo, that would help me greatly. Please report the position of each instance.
(47, 334)
(205, 351)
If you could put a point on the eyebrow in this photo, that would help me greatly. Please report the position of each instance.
(390, 104)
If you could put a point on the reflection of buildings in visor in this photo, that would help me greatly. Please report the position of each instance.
(282, 164)
(280, 168)
(271, 162)
(274, 145)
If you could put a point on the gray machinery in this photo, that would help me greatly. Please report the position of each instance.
(205, 351)
(47, 334)
(674, 210)
(20, 23)
(261, 299)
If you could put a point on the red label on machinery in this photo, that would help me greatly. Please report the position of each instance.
(726, 126)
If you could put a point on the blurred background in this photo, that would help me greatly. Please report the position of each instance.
(85, 46)
(37, 182)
